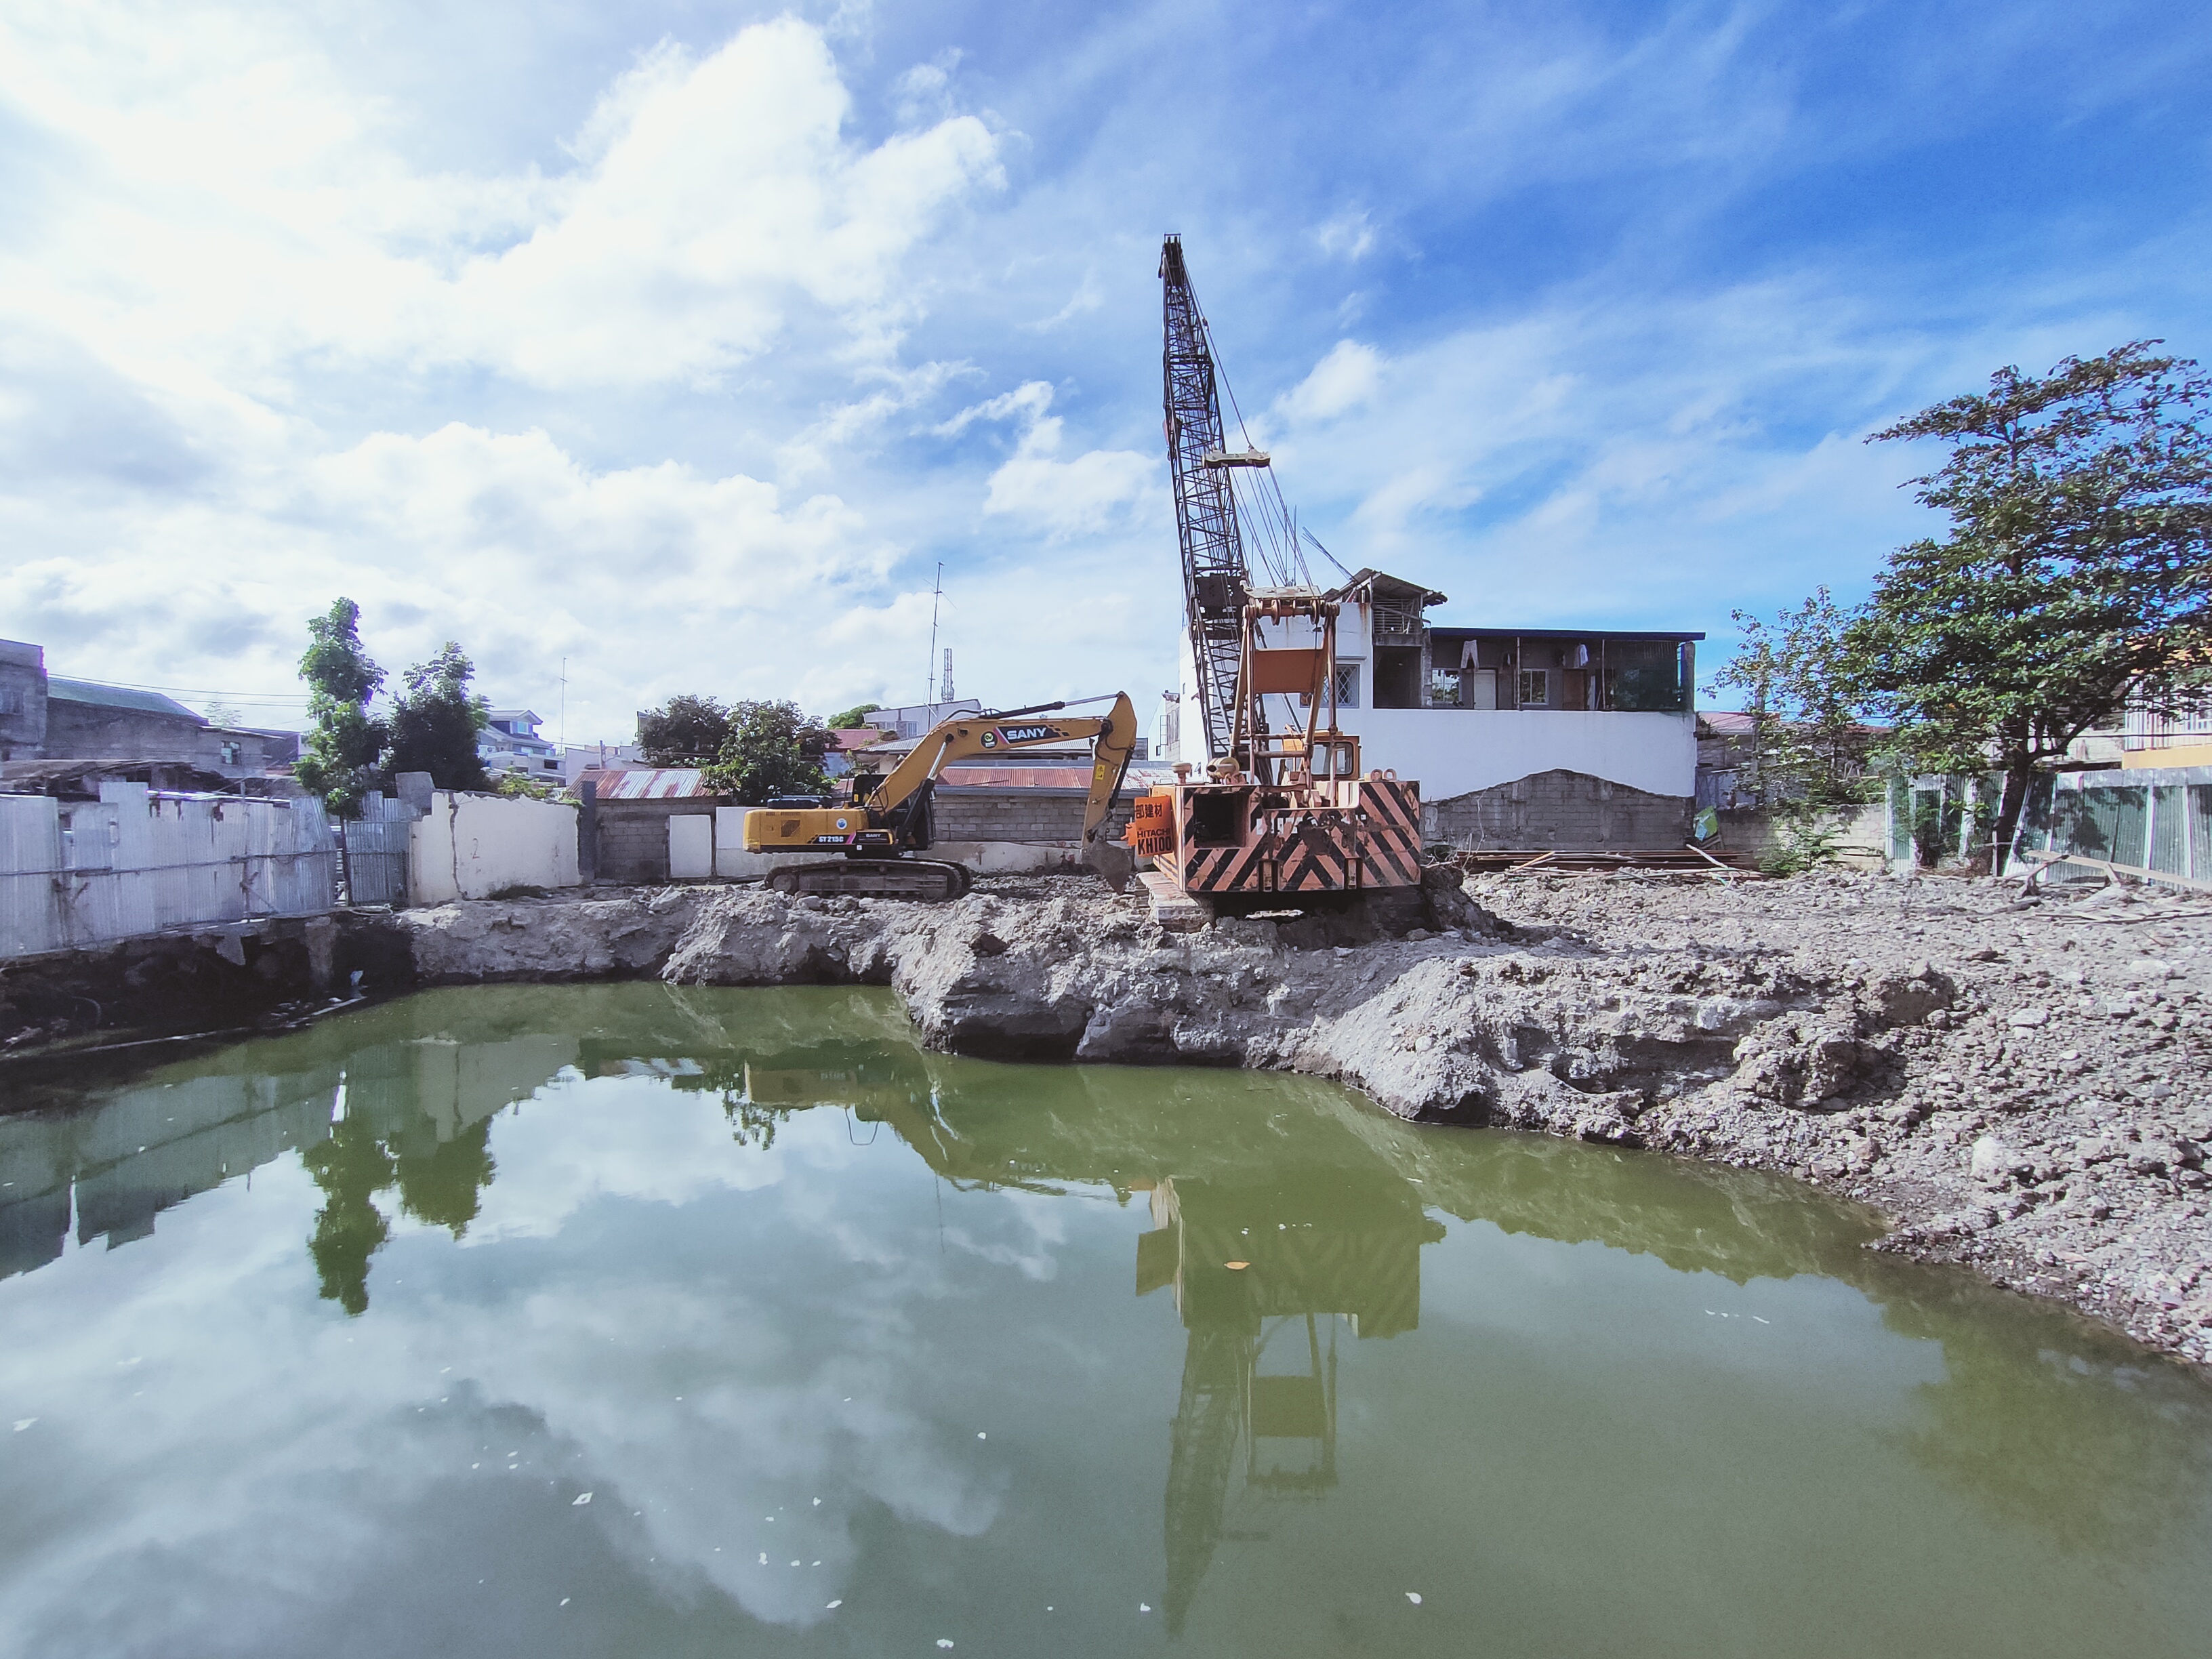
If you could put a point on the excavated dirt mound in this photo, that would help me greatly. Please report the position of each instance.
(2020, 1084)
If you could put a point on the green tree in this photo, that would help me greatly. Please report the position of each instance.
(684, 731)
(435, 723)
(338, 755)
(2076, 573)
(1809, 738)
(853, 718)
(351, 1168)
(444, 1185)
(770, 749)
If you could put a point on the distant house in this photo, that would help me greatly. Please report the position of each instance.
(912, 720)
(579, 758)
(510, 743)
(45, 717)
(845, 742)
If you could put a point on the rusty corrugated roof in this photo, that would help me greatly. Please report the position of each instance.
(658, 783)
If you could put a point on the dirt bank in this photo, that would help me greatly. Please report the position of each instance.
(2021, 1086)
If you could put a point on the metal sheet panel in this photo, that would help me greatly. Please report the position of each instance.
(30, 853)
(666, 783)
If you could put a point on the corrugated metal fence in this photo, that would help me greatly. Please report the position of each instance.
(79, 873)
(375, 851)
(2155, 820)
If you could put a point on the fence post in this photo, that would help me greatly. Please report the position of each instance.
(587, 828)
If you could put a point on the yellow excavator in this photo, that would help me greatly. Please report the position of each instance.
(881, 832)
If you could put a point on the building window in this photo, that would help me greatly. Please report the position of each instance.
(1347, 686)
(233, 754)
(1536, 688)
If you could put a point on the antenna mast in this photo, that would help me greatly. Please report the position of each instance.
(930, 662)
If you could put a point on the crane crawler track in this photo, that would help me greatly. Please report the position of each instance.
(923, 881)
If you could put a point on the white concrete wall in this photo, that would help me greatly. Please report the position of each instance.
(692, 846)
(474, 846)
(1451, 751)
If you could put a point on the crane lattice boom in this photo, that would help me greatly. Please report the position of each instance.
(1215, 576)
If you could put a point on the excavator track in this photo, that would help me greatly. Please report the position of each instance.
(920, 881)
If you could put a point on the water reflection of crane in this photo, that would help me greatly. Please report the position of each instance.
(1257, 1271)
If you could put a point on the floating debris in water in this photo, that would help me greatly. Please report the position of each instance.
(834, 1605)
(23, 1423)
(1415, 1596)
(582, 1498)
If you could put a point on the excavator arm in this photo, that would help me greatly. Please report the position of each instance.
(884, 822)
(1113, 737)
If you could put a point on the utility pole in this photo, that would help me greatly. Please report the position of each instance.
(564, 711)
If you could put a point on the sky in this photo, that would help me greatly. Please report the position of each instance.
(680, 343)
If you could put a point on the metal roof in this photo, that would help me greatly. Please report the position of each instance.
(117, 696)
(1139, 778)
(658, 783)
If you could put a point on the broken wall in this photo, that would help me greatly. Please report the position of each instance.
(475, 846)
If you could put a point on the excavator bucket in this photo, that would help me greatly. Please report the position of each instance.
(1112, 861)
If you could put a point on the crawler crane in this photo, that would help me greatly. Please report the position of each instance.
(882, 831)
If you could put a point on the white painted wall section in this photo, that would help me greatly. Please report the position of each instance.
(691, 847)
(474, 846)
(1451, 751)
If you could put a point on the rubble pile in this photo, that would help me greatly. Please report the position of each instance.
(2020, 1083)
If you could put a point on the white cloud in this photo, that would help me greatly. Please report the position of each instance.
(709, 197)
(1348, 236)
(1087, 495)
(1348, 377)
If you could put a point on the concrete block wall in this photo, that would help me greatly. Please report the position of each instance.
(1560, 811)
(1017, 815)
(632, 837)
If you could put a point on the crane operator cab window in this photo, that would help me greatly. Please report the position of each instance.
(1218, 816)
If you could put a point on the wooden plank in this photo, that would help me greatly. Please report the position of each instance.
(1173, 910)
(2045, 860)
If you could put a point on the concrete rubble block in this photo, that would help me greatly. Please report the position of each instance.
(1995, 1164)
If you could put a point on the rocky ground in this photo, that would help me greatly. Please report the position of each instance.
(2021, 1083)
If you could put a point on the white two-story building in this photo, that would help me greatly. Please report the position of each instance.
(1537, 737)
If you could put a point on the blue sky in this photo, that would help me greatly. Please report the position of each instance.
(683, 341)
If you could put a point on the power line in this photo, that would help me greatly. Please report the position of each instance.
(197, 691)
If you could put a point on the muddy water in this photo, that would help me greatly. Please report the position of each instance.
(624, 1320)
